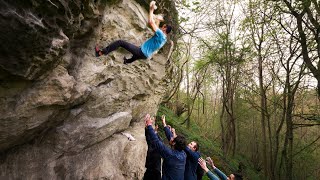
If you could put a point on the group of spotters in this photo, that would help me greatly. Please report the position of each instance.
(180, 161)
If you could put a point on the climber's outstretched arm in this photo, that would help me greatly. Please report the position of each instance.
(151, 19)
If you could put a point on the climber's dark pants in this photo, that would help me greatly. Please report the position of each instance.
(135, 50)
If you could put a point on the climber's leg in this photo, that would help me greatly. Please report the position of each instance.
(133, 49)
(120, 43)
(134, 57)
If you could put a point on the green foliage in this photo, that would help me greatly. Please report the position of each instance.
(196, 3)
(206, 146)
(196, 7)
(201, 63)
(183, 19)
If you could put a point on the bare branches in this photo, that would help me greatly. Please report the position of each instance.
(306, 147)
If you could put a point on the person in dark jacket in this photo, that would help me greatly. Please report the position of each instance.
(192, 151)
(153, 159)
(174, 159)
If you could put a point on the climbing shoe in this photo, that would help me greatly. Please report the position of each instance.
(125, 60)
(98, 51)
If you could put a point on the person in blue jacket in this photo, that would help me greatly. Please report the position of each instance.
(147, 49)
(153, 159)
(192, 151)
(174, 158)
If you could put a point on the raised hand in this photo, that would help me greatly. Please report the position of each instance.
(203, 164)
(209, 160)
(147, 117)
(153, 5)
(163, 118)
(148, 120)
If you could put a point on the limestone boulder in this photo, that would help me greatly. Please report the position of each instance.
(63, 110)
(112, 158)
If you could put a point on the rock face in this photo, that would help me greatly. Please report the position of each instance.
(62, 109)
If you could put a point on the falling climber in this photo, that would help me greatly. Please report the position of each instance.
(147, 49)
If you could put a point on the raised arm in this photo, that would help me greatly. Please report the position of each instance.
(194, 156)
(203, 165)
(168, 133)
(211, 176)
(167, 129)
(151, 21)
(147, 136)
(216, 170)
(220, 174)
(163, 150)
(163, 118)
(155, 142)
(145, 130)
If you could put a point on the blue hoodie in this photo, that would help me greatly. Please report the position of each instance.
(190, 172)
(173, 160)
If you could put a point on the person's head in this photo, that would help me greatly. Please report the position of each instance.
(235, 176)
(179, 143)
(166, 28)
(194, 146)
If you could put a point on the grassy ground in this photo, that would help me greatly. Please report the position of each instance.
(207, 146)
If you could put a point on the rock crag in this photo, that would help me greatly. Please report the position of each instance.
(62, 108)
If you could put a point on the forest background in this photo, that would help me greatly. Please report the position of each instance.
(247, 73)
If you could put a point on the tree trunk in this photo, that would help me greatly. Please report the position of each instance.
(263, 105)
(224, 146)
(289, 135)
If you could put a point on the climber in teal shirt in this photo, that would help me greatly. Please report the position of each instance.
(147, 48)
(155, 43)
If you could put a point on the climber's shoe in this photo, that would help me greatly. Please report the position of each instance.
(97, 51)
(125, 60)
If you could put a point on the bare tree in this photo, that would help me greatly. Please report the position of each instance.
(306, 14)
